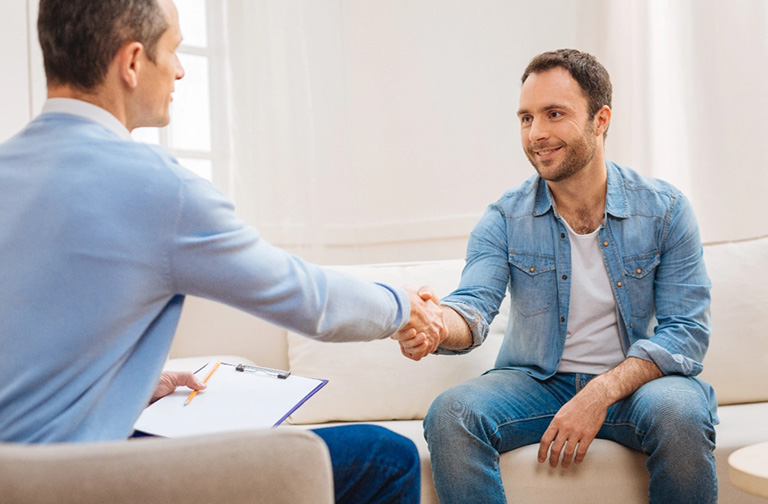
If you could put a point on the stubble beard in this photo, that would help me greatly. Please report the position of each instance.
(577, 155)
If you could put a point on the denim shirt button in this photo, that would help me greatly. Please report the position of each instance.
(605, 244)
(565, 277)
(618, 284)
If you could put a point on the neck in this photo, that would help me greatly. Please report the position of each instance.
(580, 199)
(98, 96)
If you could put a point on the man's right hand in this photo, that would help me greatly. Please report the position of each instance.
(425, 329)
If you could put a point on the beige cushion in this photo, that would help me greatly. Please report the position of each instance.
(276, 466)
(372, 380)
(609, 470)
(736, 363)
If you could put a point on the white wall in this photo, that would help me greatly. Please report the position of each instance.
(379, 131)
(14, 62)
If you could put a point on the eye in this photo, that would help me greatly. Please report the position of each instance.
(554, 114)
(525, 119)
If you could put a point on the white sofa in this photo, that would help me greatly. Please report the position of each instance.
(372, 382)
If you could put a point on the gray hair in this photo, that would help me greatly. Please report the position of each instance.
(79, 38)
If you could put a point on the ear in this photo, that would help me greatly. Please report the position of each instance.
(602, 120)
(129, 60)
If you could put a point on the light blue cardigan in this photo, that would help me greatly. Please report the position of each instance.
(100, 239)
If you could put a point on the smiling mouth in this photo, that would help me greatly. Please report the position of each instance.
(546, 152)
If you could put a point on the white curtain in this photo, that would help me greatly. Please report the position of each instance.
(695, 80)
(378, 130)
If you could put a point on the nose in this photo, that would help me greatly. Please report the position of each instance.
(179, 69)
(537, 131)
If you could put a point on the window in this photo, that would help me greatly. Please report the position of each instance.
(188, 136)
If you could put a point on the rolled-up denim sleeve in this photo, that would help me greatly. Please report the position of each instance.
(477, 326)
(682, 299)
(484, 278)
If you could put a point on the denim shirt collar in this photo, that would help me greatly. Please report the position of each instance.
(616, 203)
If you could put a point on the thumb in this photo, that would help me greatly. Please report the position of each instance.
(426, 293)
(189, 379)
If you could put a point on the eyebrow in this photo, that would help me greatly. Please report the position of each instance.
(553, 106)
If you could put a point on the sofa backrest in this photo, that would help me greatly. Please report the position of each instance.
(373, 381)
(736, 363)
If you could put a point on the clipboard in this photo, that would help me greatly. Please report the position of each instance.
(238, 397)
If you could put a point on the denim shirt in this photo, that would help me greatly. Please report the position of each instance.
(653, 255)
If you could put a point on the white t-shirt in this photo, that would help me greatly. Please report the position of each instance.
(592, 342)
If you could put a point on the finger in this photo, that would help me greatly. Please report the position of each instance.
(426, 293)
(189, 379)
(568, 453)
(546, 441)
(410, 353)
(419, 353)
(581, 452)
(555, 447)
(554, 452)
(417, 341)
(404, 334)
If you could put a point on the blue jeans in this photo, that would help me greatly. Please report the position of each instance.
(469, 425)
(372, 465)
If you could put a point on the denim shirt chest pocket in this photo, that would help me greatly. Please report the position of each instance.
(639, 272)
(532, 282)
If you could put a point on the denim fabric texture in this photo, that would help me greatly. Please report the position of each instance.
(654, 258)
(469, 425)
(372, 465)
(652, 252)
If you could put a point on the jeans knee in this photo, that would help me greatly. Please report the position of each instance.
(451, 414)
(372, 464)
(441, 413)
(683, 427)
(393, 449)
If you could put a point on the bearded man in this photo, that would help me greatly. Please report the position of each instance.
(609, 318)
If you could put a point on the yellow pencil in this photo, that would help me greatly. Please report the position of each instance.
(194, 392)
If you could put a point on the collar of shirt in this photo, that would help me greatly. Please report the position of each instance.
(616, 200)
(88, 111)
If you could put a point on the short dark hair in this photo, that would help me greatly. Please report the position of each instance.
(591, 75)
(80, 38)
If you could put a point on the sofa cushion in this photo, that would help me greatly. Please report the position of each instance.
(370, 381)
(736, 363)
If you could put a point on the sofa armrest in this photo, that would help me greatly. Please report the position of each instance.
(276, 466)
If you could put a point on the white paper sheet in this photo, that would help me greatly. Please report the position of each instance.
(233, 401)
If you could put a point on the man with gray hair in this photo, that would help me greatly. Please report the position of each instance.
(102, 237)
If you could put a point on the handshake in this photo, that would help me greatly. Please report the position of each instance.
(426, 328)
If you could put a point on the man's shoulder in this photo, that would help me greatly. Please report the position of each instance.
(631, 193)
(81, 135)
(520, 197)
(94, 153)
(633, 180)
